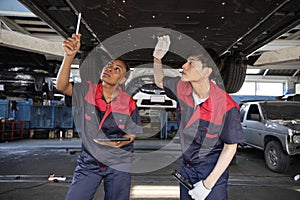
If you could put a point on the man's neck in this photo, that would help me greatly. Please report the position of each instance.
(201, 88)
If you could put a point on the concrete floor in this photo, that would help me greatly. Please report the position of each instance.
(26, 164)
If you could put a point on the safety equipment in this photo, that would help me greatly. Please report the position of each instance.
(162, 46)
(200, 192)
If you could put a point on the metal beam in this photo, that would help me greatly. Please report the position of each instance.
(296, 72)
(280, 44)
(12, 25)
(278, 66)
(20, 41)
(269, 78)
(48, 36)
(279, 56)
(30, 22)
(296, 35)
(266, 71)
(39, 29)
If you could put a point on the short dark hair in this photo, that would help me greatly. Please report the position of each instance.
(208, 57)
(203, 56)
(127, 66)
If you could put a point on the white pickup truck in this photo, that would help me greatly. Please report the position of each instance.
(274, 127)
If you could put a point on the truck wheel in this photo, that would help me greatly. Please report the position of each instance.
(275, 158)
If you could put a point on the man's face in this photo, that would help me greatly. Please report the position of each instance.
(113, 72)
(193, 70)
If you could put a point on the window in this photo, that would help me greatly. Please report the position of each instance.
(269, 89)
(248, 88)
(297, 88)
(261, 89)
(253, 113)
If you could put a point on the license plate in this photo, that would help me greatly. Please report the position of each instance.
(1, 87)
(157, 98)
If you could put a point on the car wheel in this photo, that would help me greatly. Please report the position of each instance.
(233, 74)
(275, 158)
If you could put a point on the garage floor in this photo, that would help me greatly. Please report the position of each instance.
(26, 164)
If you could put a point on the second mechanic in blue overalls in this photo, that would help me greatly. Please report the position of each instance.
(209, 123)
(104, 111)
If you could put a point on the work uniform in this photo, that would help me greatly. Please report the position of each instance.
(95, 118)
(203, 129)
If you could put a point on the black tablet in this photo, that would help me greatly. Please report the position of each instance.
(112, 139)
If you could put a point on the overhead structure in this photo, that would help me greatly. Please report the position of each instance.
(238, 31)
(24, 42)
(290, 55)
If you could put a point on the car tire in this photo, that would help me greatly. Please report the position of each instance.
(233, 74)
(276, 159)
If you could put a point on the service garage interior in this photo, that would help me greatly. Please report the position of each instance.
(255, 45)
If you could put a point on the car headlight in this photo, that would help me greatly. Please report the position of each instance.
(296, 139)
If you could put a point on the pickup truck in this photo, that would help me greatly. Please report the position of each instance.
(274, 127)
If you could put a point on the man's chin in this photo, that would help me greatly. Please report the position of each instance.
(184, 79)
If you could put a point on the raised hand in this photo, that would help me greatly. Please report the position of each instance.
(162, 46)
(71, 45)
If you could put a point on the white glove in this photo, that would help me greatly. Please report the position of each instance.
(162, 46)
(200, 192)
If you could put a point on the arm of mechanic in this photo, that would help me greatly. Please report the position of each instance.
(159, 52)
(203, 188)
(223, 162)
(71, 46)
(158, 73)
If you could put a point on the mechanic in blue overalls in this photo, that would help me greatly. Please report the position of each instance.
(102, 111)
(209, 123)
